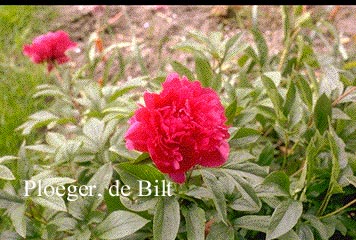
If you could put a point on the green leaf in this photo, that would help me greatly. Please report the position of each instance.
(5, 173)
(245, 132)
(68, 150)
(272, 92)
(334, 186)
(140, 204)
(218, 195)
(245, 136)
(214, 44)
(202, 38)
(191, 47)
(182, 70)
(199, 193)
(55, 139)
(290, 235)
(81, 208)
(337, 146)
(64, 223)
(261, 46)
(138, 55)
(109, 130)
(122, 151)
(24, 167)
(322, 228)
(285, 11)
(94, 129)
(101, 180)
(275, 76)
(204, 72)
(195, 222)
(337, 113)
(7, 158)
(220, 231)
(267, 155)
(142, 157)
(131, 173)
(113, 203)
(233, 46)
(284, 218)
(9, 235)
(290, 98)
(49, 92)
(322, 113)
(308, 168)
(278, 179)
(47, 179)
(267, 112)
(252, 54)
(246, 169)
(41, 148)
(37, 120)
(83, 234)
(230, 112)
(253, 222)
(349, 65)
(249, 201)
(305, 233)
(17, 216)
(330, 81)
(352, 180)
(304, 91)
(115, 92)
(119, 224)
(54, 202)
(166, 219)
(9, 199)
(43, 116)
(349, 224)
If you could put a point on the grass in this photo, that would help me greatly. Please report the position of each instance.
(18, 75)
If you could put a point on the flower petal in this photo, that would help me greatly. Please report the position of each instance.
(177, 177)
(217, 157)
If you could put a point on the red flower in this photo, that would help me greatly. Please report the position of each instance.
(181, 127)
(50, 48)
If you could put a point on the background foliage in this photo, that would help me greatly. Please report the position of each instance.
(291, 169)
(18, 77)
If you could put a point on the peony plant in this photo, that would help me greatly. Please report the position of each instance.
(240, 144)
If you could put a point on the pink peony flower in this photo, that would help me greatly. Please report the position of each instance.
(180, 127)
(50, 48)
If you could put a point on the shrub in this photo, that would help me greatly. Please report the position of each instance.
(290, 173)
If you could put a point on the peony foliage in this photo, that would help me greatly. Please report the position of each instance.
(241, 143)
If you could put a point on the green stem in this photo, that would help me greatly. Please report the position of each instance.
(325, 201)
(295, 145)
(286, 152)
(289, 42)
(299, 170)
(34, 217)
(268, 131)
(338, 210)
(346, 93)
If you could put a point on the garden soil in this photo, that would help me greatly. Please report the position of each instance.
(158, 29)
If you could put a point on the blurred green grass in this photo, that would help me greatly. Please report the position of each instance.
(18, 75)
